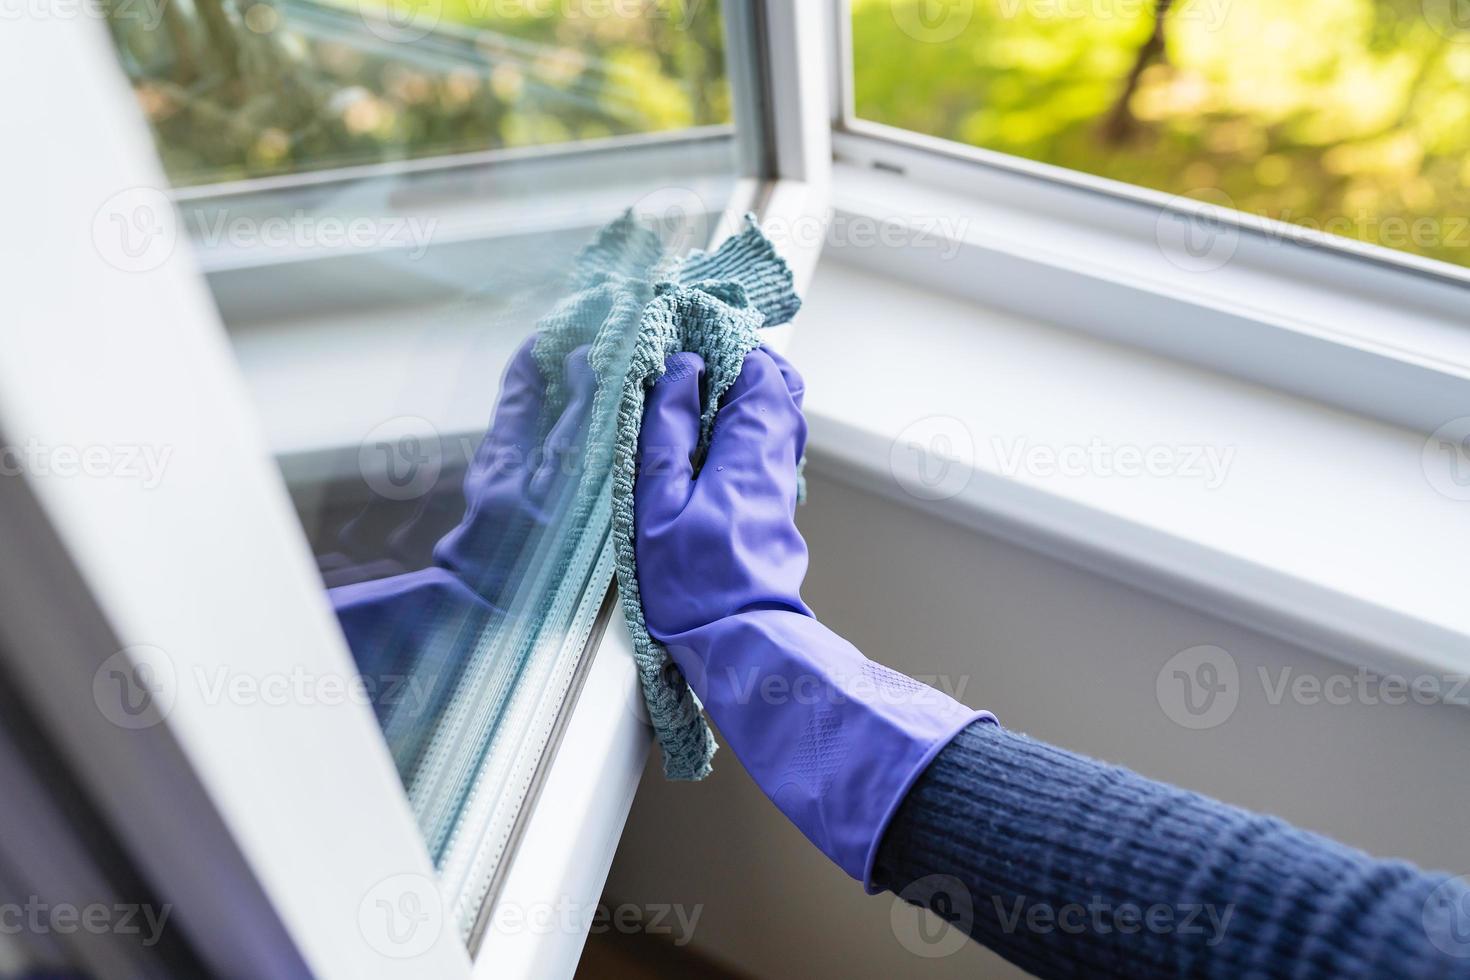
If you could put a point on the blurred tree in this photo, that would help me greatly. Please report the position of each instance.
(1345, 116)
(1120, 123)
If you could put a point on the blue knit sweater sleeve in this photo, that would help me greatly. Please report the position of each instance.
(1071, 868)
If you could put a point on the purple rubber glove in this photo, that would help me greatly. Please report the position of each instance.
(408, 631)
(834, 739)
(517, 483)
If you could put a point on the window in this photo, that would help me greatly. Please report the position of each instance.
(411, 216)
(249, 88)
(274, 812)
(1350, 117)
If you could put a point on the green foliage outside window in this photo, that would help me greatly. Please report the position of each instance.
(252, 88)
(1347, 116)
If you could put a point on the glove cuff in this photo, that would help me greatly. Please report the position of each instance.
(907, 783)
(834, 739)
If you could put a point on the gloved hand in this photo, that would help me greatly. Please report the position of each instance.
(511, 489)
(408, 631)
(834, 739)
(517, 483)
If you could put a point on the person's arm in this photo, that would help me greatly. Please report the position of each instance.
(1069, 867)
(1065, 866)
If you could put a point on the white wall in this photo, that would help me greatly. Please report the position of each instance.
(1063, 655)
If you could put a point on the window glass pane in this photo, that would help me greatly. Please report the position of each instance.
(437, 352)
(447, 456)
(1346, 116)
(250, 88)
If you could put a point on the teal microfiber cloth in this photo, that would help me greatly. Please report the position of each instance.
(635, 306)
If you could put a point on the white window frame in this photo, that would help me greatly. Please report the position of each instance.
(279, 842)
(253, 821)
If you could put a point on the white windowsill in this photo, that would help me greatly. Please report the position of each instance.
(1325, 530)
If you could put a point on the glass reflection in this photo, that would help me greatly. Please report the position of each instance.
(466, 592)
(250, 88)
(460, 528)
